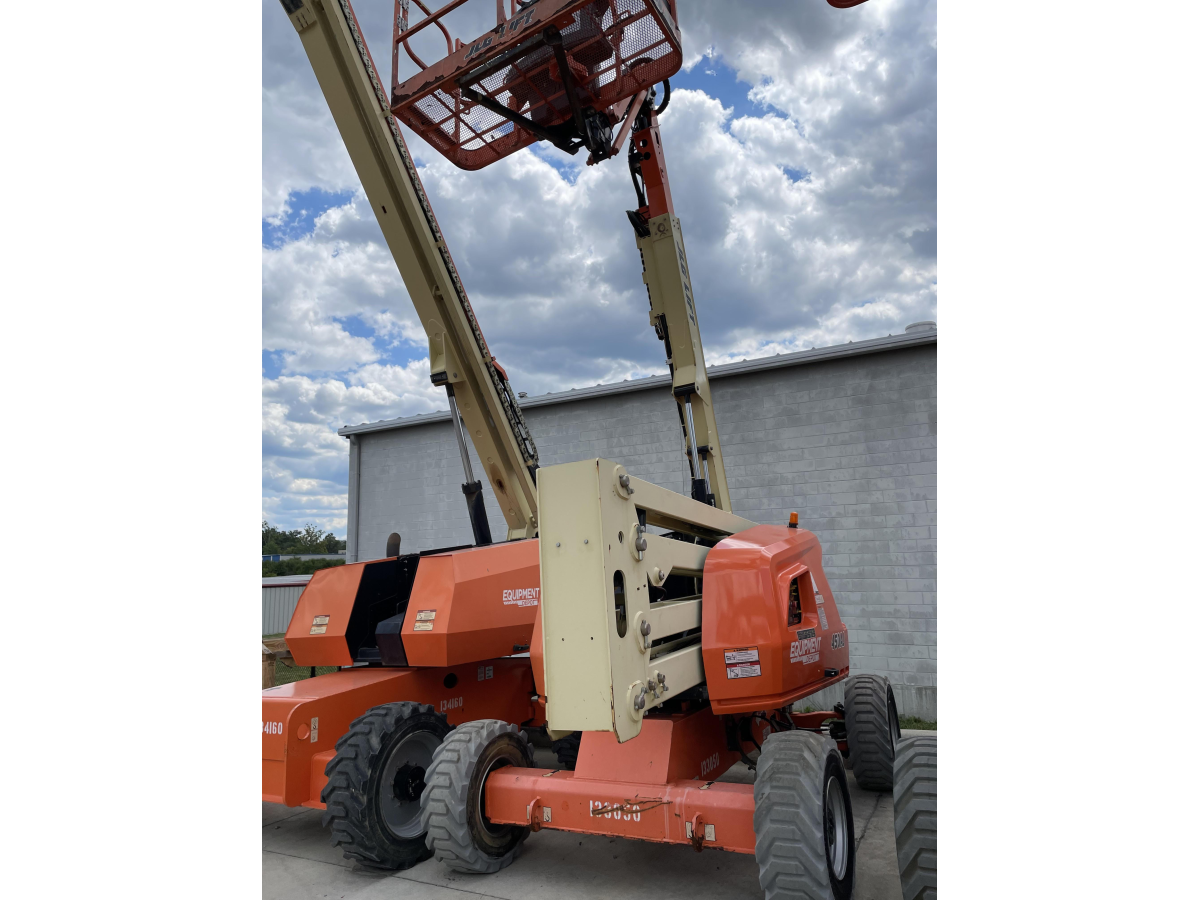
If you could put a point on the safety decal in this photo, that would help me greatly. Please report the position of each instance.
(486, 672)
(742, 663)
(423, 626)
(806, 633)
(824, 621)
(743, 671)
(426, 615)
(746, 654)
(319, 625)
(816, 590)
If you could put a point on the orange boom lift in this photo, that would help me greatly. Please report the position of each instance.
(668, 638)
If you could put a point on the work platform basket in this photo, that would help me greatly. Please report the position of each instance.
(505, 90)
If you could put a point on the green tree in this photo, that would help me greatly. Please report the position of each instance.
(298, 566)
(310, 539)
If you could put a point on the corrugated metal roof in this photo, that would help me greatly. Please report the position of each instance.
(803, 357)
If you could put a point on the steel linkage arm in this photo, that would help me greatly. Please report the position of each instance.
(458, 354)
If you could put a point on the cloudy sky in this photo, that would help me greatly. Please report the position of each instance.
(802, 146)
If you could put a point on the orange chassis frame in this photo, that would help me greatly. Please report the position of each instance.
(625, 790)
(303, 721)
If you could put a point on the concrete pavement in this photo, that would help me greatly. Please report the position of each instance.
(299, 863)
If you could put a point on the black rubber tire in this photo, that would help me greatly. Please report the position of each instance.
(567, 749)
(914, 800)
(799, 774)
(872, 730)
(452, 814)
(354, 806)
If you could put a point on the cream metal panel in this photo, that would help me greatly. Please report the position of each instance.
(457, 351)
(669, 285)
(590, 541)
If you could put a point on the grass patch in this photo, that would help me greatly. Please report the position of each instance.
(285, 674)
(905, 721)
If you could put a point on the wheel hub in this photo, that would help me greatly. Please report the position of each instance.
(408, 783)
(836, 829)
(402, 781)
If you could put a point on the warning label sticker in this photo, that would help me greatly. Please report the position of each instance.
(744, 655)
(743, 671)
(426, 615)
(824, 621)
(423, 626)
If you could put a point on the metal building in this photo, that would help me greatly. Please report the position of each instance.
(846, 436)
(279, 598)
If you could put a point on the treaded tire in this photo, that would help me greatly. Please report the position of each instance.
(872, 730)
(357, 807)
(567, 749)
(452, 814)
(800, 775)
(914, 800)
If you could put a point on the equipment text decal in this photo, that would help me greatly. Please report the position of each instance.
(806, 651)
(521, 596)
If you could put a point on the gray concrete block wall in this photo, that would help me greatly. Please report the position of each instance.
(849, 443)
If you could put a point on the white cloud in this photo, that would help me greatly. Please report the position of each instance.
(809, 216)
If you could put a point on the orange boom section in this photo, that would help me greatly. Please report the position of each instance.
(771, 631)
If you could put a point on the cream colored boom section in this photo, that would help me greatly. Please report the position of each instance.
(458, 354)
(669, 284)
(598, 624)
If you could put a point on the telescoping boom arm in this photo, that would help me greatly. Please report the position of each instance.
(459, 357)
(672, 306)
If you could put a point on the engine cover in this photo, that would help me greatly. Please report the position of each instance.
(771, 633)
(437, 608)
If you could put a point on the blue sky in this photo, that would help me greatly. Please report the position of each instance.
(801, 142)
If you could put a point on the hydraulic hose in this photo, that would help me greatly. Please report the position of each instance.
(666, 97)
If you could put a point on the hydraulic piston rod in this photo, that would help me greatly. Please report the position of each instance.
(472, 489)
